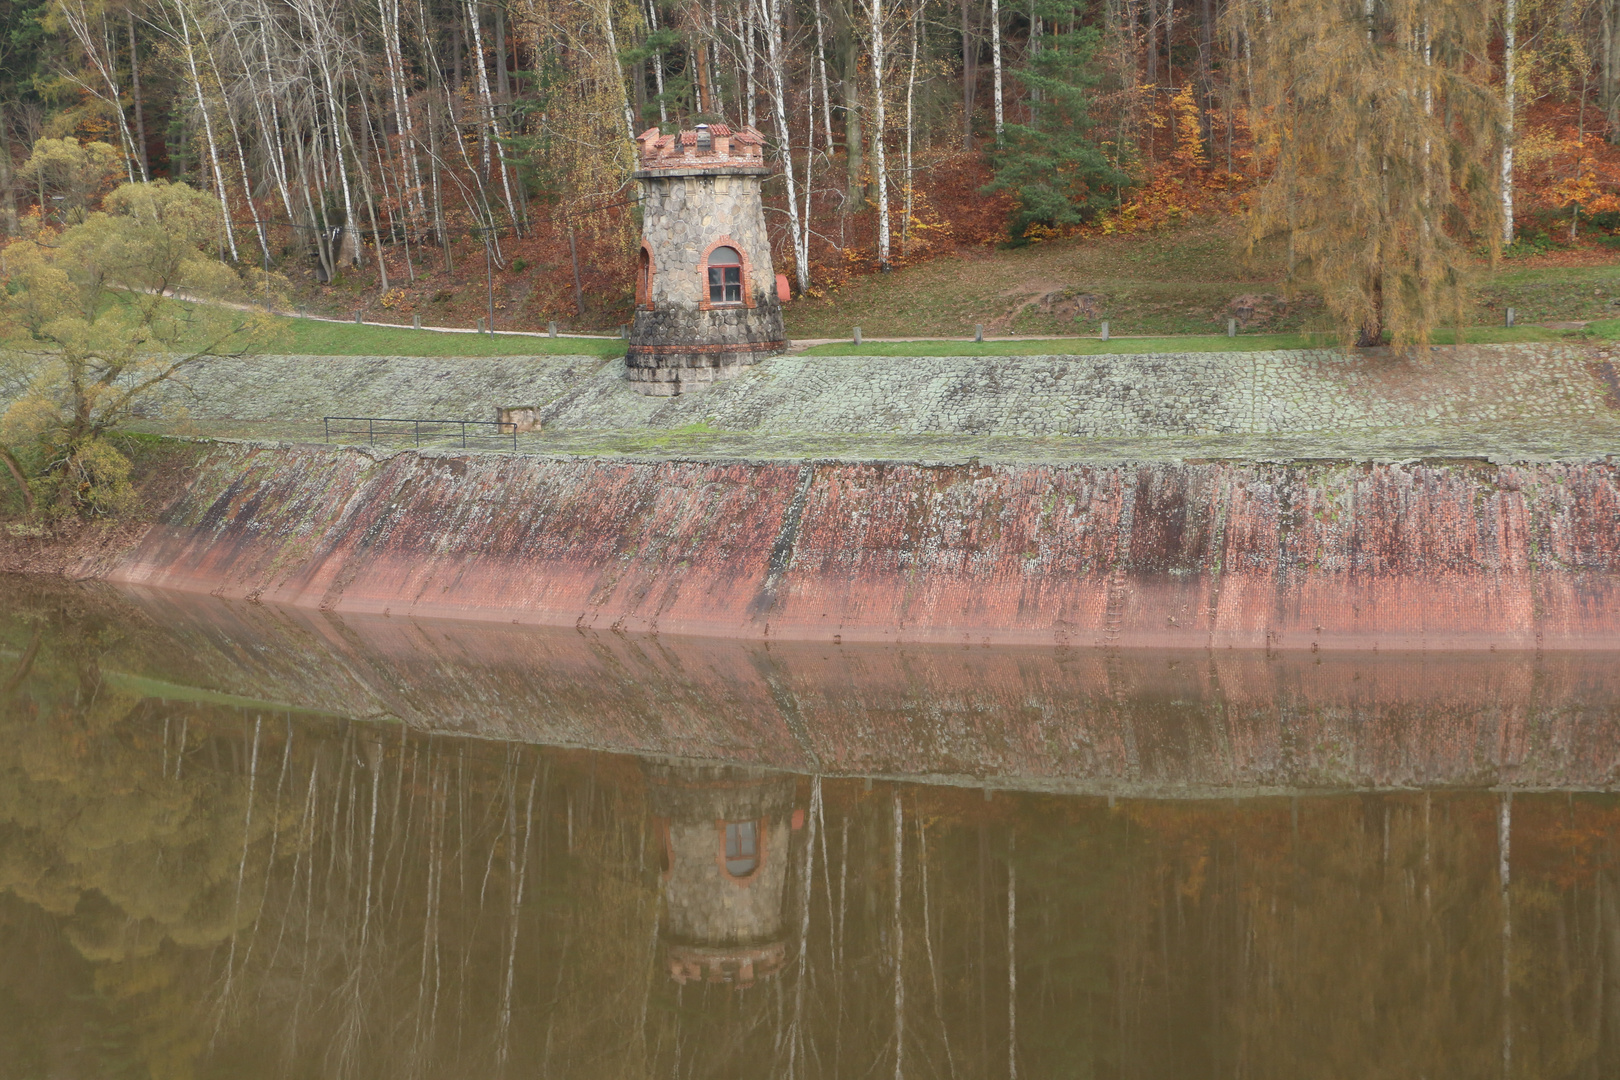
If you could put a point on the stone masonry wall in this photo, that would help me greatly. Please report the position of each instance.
(683, 215)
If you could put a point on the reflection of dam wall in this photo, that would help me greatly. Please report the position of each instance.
(1416, 556)
(1171, 722)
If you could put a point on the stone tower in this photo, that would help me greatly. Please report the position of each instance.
(724, 833)
(706, 299)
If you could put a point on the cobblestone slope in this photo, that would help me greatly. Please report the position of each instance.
(1505, 401)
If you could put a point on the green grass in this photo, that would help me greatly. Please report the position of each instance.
(1187, 343)
(312, 337)
(1553, 294)
(1608, 329)
(1160, 283)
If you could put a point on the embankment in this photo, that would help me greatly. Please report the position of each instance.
(1506, 402)
(1443, 555)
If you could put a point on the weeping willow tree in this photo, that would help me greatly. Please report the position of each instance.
(1382, 125)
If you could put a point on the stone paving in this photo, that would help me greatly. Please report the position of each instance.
(1510, 401)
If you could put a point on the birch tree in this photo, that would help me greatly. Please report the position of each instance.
(188, 51)
(770, 13)
(1510, 20)
(995, 65)
(879, 94)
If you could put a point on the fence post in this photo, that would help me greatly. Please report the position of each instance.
(416, 321)
(371, 435)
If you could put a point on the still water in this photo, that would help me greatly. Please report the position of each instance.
(243, 842)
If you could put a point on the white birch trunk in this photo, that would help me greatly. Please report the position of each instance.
(821, 64)
(749, 63)
(809, 162)
(657, 62)
(388, 11)
(718, 104)
(337, 148)
(911, 89)
(492, 131)
(995, 64)
(1510, 18)
(613, 58)
(78, 22)
(269, 128)
(880, 165)
(208, 131)
(241, 156)
(771, 13)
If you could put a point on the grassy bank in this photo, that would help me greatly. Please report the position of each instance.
(1188, 343)
(1181, 281)
(308, 337)
(314, 337)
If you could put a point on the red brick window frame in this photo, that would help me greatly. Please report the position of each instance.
(741, 843)
(644, 277)
(705, 304)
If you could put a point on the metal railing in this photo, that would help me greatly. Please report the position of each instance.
(481, 432)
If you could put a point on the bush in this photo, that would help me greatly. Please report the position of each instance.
(1605, 219)
(89, 327)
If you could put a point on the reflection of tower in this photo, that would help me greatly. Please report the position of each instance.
(724, 833)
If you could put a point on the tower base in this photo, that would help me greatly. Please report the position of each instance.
(682, 369)
(676, 350)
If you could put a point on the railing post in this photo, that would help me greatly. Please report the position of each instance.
(417, 424)
(371, 435)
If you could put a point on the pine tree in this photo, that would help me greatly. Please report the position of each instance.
(1051, 165)
(1383, 126)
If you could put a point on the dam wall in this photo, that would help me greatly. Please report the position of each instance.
(1442, 555)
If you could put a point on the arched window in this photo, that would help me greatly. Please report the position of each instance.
(644, 279)
(742, 846)
(725, 276)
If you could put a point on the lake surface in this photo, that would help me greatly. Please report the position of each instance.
(247, 842)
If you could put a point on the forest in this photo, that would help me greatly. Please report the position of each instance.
(379, 154)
